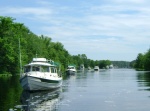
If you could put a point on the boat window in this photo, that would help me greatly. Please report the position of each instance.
(35, 68)
(69, 67)
(44, 68)
(27, 69)
(52, 70)
(55, 70)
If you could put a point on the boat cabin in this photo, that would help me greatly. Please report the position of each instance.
(40, 65)
(39, 68)
(70, 67)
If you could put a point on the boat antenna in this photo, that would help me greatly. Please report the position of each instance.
(20, 58)
(36, 55)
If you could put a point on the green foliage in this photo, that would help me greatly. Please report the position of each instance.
(121, 64)
(8, 39)
(132, 63)
(30, 46)
(142, 61)
(147, 60)
(104, 63)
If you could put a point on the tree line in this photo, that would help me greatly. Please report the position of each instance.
(142, 61)
(121, 64)
(11, 33)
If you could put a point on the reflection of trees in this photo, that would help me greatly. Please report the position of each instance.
(10, 91)
(144, 79)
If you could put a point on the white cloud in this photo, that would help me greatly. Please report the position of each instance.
(130, 1)
(38, 11)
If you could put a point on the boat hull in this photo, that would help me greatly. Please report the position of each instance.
(34, 83)
(70, 72)
(96, 69)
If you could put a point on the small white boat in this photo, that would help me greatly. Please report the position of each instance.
(89, 68)
(40, 74)
(71, 70)
(96, 68)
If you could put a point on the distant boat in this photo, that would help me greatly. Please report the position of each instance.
(81, 68)
(111, 66)
(71, 70)
(40, 74)
(89, 68)
(96, 68)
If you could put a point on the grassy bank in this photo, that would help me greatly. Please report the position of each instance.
(5, 75)
(138, 69)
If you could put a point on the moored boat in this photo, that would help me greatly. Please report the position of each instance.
(40, 74)
(96, 68)
(81, 68)
(71, 70)
(89, 68)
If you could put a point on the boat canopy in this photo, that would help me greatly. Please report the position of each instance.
(71, 65)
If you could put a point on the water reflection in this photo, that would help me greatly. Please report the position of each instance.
(39, 101)
(10, 91)
(144, 80)
(108, 90)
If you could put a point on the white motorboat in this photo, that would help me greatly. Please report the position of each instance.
(96, 68)
(71, 70)
(40, 74)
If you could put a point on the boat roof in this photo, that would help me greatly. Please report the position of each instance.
(96, 67)
(71, 66)
(40, 62)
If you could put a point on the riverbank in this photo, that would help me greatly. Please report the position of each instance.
(5, 75)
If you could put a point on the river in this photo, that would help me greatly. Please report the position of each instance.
(106, 90)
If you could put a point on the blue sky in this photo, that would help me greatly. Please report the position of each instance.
(101, 29)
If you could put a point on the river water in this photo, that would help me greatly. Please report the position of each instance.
(106, 90)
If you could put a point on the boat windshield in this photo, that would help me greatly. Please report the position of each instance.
(44, 68)
(35, 68)
(27, 69)
(40, 68)
(53, 70)
(71, 68)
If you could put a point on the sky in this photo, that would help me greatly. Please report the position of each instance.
(116, 30)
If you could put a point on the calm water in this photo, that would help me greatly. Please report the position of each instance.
(108, 90)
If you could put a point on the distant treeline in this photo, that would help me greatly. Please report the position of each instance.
(31, 44)
(142, 61)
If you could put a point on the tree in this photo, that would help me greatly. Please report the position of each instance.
(104, 63)
(139, 61)
(147, 60)
(8, 45)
